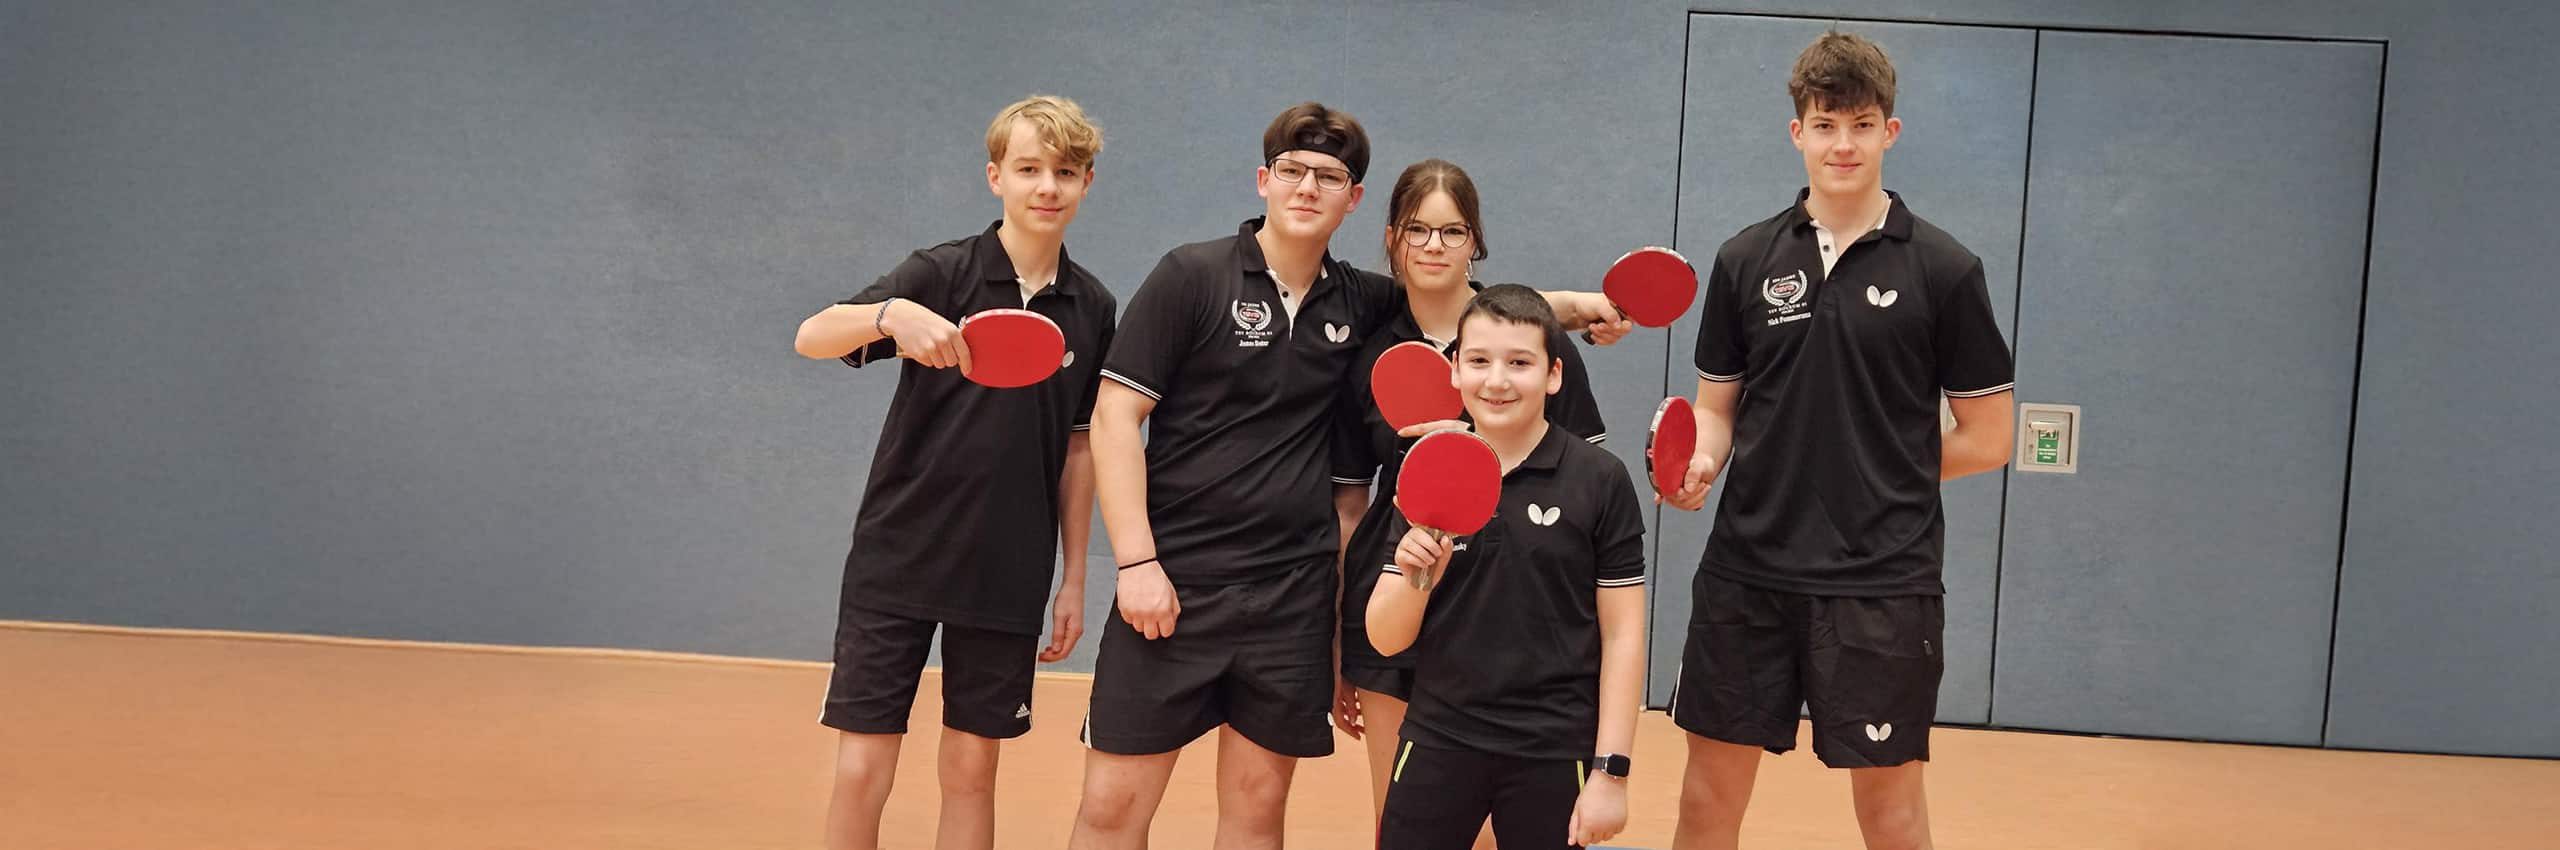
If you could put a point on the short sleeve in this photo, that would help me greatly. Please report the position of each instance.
(1973, 361)
(918, 281)
(1720, 355)
(1158, 331)
(1396, 528)
(1618, 537)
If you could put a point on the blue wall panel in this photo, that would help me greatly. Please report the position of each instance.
(2193, 271)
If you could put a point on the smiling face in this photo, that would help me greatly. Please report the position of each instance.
(1040, 186)
(1435, 265)
(1844, 148)
(1504, 373)
(1843, 89)
(1310, 209)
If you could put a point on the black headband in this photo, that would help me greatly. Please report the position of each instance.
(1319, 141)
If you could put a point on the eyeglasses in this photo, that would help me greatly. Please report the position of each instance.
(1293, 171)
(1453, 236)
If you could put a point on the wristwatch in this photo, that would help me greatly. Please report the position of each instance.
(1611, 764)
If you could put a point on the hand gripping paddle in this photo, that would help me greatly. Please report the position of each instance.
(1652, 286)
(1011, 348)
(1410, 383)
(1449, 486)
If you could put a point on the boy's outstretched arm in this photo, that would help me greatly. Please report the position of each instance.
(843, 329)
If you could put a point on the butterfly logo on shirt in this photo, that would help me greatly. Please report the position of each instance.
(1884, 298)
(1544, 516)
(1337, 333)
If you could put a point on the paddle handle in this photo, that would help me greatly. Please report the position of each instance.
(1586, 332)
(1421, 578)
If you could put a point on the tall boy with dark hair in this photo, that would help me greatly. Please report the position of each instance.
(1829, 335)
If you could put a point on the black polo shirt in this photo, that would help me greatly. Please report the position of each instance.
(1238, 483)
(1508, 661)
(959, 522)
(1833, 486)
(1367, 451)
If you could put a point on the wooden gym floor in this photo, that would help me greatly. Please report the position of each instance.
(118, 738)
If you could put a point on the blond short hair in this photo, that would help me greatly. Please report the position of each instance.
(1058, 122)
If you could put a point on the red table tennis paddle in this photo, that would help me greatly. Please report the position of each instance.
(1650, 286)
(1449, 486)
(1410, 383)
(1011, 348)
(1668, 445)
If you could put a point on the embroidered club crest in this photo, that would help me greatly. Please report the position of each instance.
(1785, 291)
(1252, 316)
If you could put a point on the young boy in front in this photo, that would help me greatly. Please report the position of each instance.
(970, 485)
(1531, 640)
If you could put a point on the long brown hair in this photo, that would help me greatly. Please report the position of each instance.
(1417, 182)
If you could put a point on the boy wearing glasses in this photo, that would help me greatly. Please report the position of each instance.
(1223, 518)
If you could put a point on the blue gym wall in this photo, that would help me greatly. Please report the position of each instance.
(471, 321)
